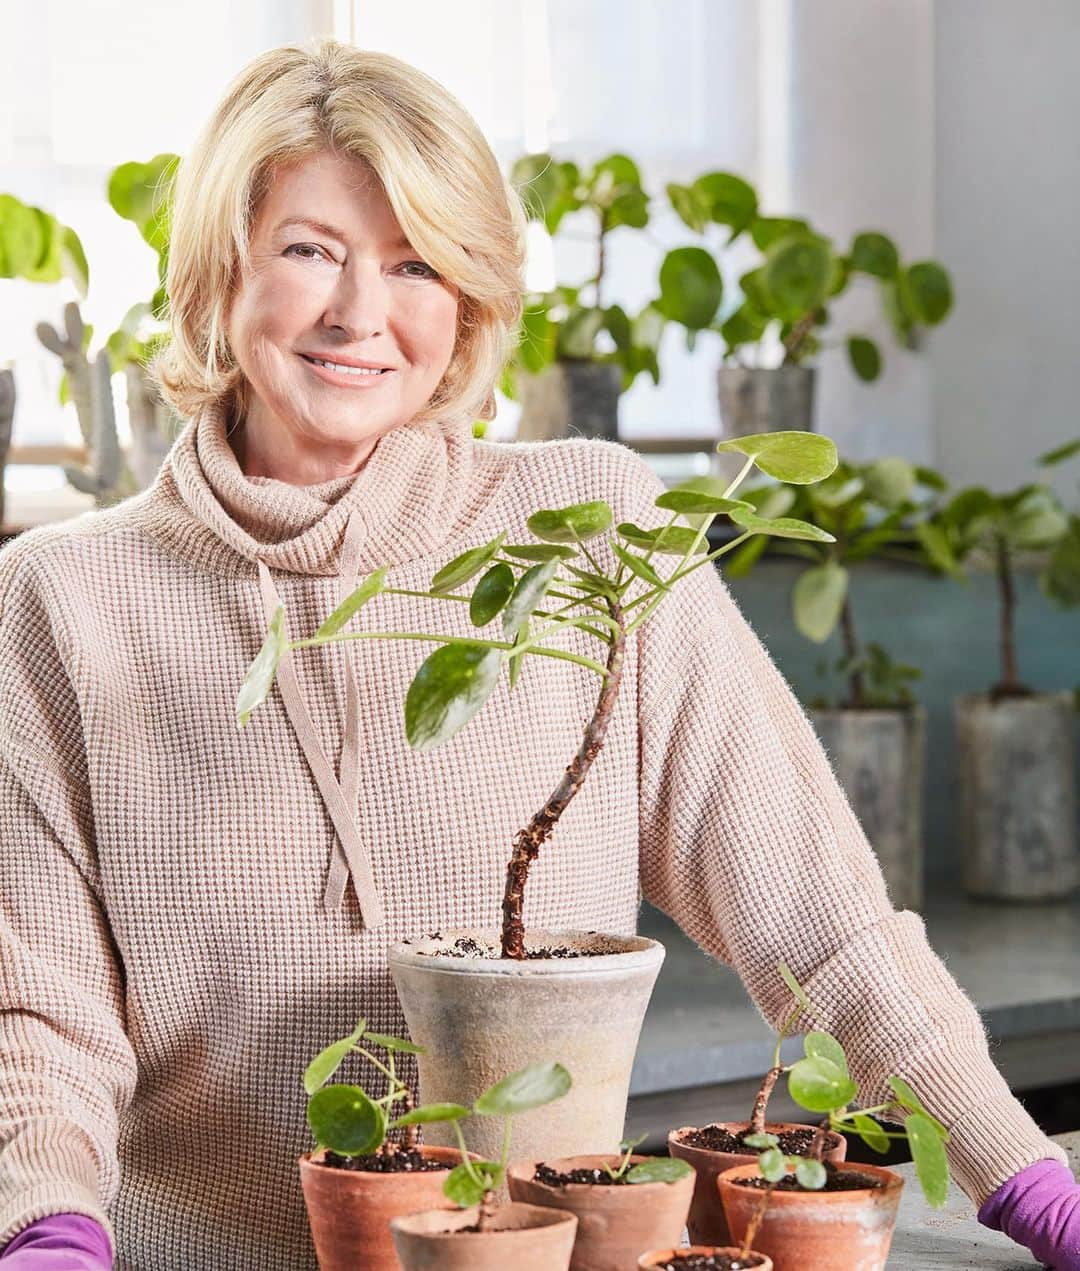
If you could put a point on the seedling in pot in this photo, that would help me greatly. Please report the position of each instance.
(476, 1182)
(516, 582)
(625, 1172)
(349, 1122)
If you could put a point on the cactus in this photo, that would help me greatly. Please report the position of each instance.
(7, 414)
(107, 476)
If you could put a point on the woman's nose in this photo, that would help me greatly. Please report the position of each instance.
(358, 304)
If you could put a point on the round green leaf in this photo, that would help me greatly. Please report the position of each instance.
(772, 1164)
(1038, 520)
(447, 691)
(23, 241)
(875, 254)
(691, 207)
(666, 540)
(325, 1064)
(811, 1174)
(800, 458)
(530, 1088)
(539, 551)
(699, 494)
(431, 1114)
(346, 1121)
(821, 1045)
(399, 1045)
(261, 673)
(870, 1132)
(465, 566)
(767, 230)
(528, 592)
(691, 288)
(928, 1153)
(730, 200)
(929, 291)
(744, 326)
(865, 358)
(817, 601)
(351, 605)
(781, 527)
(462, 1188)
(575, 337)
(756, 294)
(575, 524)
(761, 1140)
(820, 1086)
(491, 594)
(797, 272)
(661, 1169)
(890, 481)
(638, 565)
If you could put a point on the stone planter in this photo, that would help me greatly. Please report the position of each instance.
(1016, 765)
(615, 1222)
(879, 757)
(579, 399)
(349, 1211)
(818, 1231)
(759, 399)
(480, 1019)
(522, 1238)
(707, 1223)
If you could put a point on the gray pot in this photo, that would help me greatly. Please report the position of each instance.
(765, 399)
(7, 415)
(578, 399)
(879, 757)
(1017, 769)
(480, 1019)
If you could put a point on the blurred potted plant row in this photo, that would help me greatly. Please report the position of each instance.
(764, 285)
(1015, 751)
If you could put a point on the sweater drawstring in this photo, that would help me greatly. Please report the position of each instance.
(349, 857)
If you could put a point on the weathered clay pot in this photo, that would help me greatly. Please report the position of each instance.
(1017, 770)
(614, 1222)
(879, 758)
(658, 1257)
(817, 1231)
(579, 399)
(480, 1019)
(707, 1223)
(349, 1211)
(522, 1238)
(765, 399)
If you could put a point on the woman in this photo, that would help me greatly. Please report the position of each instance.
(188, 914)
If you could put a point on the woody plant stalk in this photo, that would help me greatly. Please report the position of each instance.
(540, 589)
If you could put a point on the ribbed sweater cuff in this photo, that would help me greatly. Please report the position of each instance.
(45, 1199)
(990, 1140)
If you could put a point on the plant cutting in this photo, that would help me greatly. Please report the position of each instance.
(713, 1149)
(623, 1203)
(479, 1001)
(577, 352)
(358, 1177)
(779, 318)
(805, 1212)
(1015, 746)
(483, 1233)
(873, 728)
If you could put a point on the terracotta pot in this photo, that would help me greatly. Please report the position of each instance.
(818, 1231)
(614, 1222)
(707, 1224)
(349, 1211)
(481, 1018)
(657, 1257)
(523, 1237)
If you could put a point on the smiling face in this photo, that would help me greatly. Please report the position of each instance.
(349, 290)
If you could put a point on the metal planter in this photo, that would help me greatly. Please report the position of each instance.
(765, 399)
(579, 399)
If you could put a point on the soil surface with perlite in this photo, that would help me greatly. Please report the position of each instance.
(847, 1180)
(391, 1163)
(714, 1138)
(555, 1178)
(708, 1262)
(467, 947)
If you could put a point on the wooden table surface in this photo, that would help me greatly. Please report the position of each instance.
(927, 1239)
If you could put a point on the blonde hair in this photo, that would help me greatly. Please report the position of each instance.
(440, 178)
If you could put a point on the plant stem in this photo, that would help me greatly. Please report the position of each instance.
(755, 1222)
(529, 840)
(798, 335)
(487, 1211)
(817, 1143)
(856, 686)
(761, 1102)
(1010, 675)
(600, 263)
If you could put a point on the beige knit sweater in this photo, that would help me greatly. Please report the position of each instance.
(168, 961)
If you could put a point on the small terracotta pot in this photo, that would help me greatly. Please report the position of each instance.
(818, 1231)
(522, 1237)
(614, 1222)
(657, 1257)
(707, 1224)
(349, 1211)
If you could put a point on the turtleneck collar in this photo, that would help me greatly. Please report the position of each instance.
(408, 497)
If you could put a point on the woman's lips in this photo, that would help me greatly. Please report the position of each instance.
(343, 379)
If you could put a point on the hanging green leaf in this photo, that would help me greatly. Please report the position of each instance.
(491, 594)
(890, 481)
(638, 565)
(699, 494)
(431, 1114)
(467, 1189)
(665, 540)
(767, 230)
(875, 254)
(1060, 454)
(797, 271)
(465, 566)
(351, 605)
(532, 1087)
(528, 592)
(870, 1132)
(817, 600)
(800, 458)
(691, 287)
(820, 1086)
(781, 527)
(730, 200)
(447, 691)
(865, 358)
(928, 1153)
(260, 676)
(907, 1098)
(928, 290)
(689, 205)
(575, 524)
(539, 551)
(517, 663)
(346, 1121)
(329, 1060)
(400, 1045)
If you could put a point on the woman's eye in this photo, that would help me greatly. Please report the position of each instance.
(425, 270)
(305, 247)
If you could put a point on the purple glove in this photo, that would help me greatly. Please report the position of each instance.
(61, 1242)
(1039, 1208)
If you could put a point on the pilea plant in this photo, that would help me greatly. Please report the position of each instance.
(516, 579)
(659, 1169)
(568, 323)
(344, 1118)
(475, 1182)
(800, 273)
(873, 511)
